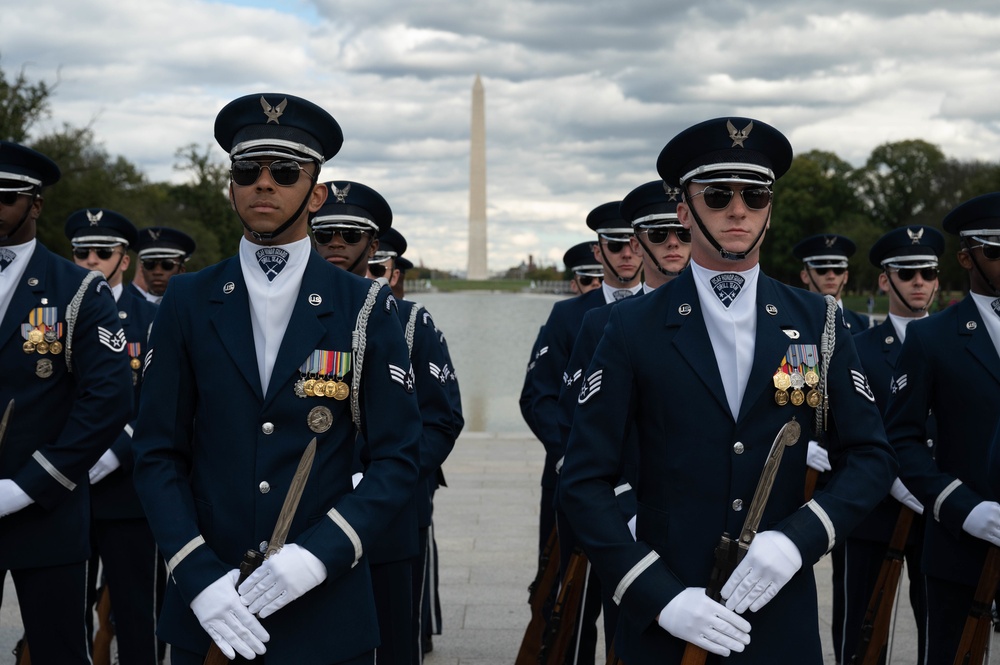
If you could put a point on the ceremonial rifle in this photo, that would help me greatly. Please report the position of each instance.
(976, 634)
(539, 592)
(5, 420)
(729, 553)
(875, 627)
(559, 632)
(253, 559)
(105, 630)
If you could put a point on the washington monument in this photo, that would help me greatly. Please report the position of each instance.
(477, 186)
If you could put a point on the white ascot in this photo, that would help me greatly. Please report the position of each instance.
(272, 293)
(989, 310)
(612, 294)
(731, 320)
(16, 259)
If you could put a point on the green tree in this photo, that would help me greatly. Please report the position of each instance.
(22, 104)
(903, 183)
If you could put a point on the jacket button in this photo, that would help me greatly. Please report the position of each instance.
(265, 487)
(738, 448)
(263, 546)
(738, 505)
(267, 428)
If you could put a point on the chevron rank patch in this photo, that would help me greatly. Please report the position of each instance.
(541, 352)
(403, 377)
(442, 374)
(861, 385)
(897, 384)
(113, 340)
(591, 386)
(390, 303)
(568, 380)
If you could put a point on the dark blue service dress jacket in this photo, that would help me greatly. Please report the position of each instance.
(698, 466)
(69, 407)
(857, 323)
(215, 456)
(949, 366)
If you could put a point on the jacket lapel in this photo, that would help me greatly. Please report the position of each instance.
(980, 343)
(27, 297)
(230, 319)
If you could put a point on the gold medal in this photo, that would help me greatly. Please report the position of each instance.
(330, 389)
(28, 347)
(797, 397)
(43, 369)
(319, 388)
(134, 363)
(342, 392)
(307, 387)
(56, 348)
(813, 398)
(36, 336)
(319, 419)
(42, 347)
(781, 380)
(781, 397)
(812, 378)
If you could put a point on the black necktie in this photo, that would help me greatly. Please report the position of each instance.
(6, 258)
(727, 286)
(271, 260)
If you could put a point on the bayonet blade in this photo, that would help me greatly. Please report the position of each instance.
(788, 435)
(5, 420)
(291, 503)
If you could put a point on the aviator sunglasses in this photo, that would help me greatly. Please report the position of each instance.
(349, 236)
(990, 252)
(377, 269)
(166, 264)
(587, 280)
(717, 198)
(103, 253)
(823, 271)
(659, 236)
(907, 274)
(613, 245)
(284, 172)
(10, 198)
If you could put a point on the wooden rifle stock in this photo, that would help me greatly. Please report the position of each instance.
(976, 634)
(105, 631)
(812, 475)
(22, 655)
(875, 627)
(538, 593)
(728, 555)
(559, 633)
(251, 562)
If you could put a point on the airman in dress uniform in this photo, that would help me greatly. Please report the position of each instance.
(824, 270)
(237, 376)
(163, 253)
(122, 540)
(65, 366)
(950, 366)
(698, 368)
(908, 258)
(622, 279)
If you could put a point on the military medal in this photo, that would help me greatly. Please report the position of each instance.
(796, 380)
(326, 369)
(299, 388)
(781, 380)
(55, 347)
(307, 387)
(342, 392)
(781, 397)
(797, 397)
(319, 388)
(36, 336)
(320, 419)
(812, 378)
(813, 398)
(134, 363)
(42, 347)
(50, 336)
(43, 369)
(330, 389)
(28, 347)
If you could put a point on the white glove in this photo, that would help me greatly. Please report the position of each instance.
(817, 457)
(12, 497)
(227, 621)
(281, 579)
(631, 526)
(694, 617)
(356, 479)
(899, 492)
(984, 522)
(108, 463)
(768, 565)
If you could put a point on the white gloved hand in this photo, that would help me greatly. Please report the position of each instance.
(12, 497)
(356, 479)
(108, 463)
(899, 492)
(768, 565)
(227, 621)
(694, 617)
(281, 579)
(817, 457)
(984, 522)
(631, 526)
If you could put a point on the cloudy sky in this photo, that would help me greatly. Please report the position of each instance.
(581, 95)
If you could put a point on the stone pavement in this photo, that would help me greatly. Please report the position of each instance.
(486, 521)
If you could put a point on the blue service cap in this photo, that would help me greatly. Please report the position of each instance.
(403, 264)
(100, 227)
(652, 205)
(580, 259)
(353, 205)
(826, 250)
(725, 150)
(977, 220)
(163, 242)
(908, 247)
(279, 126)
(391, 245)
(606, 219)
(23, 169)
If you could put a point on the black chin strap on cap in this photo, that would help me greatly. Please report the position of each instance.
(915, 310)
(656, 262)
(725, 253)
(259, 237)
(24, 218)
(362, 255)
(608, 266)
(989, 282)
(839, 288)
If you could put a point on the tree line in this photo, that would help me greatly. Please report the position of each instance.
(901, 183)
